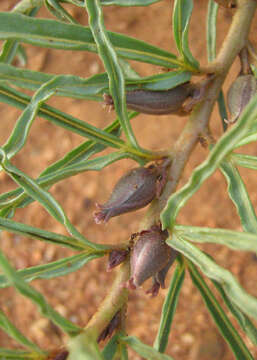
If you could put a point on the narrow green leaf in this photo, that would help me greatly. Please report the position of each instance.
(111, 348)
(129, 2)
(38, 234)
(26, 290)
(239, 195)
(72, 86)
(252, 137)
(222, 110)
(163, 81)
(111, 63)
(247, 161)
(235, 240)
(246, 302)
(211, 29)
(211, 53)
(181, 18)
(54, 269)
(169, 307)
(9, 51)
(12, 331)
(11, 48)
(80, 153)
(18, 99)
(224, 146)
(123, 351)
(222, 321)
(59, 12)
(245, 323)
(54, 34)
(146, 351)
(6, 354)
(45, 198)
(92, 87)
(21, 56)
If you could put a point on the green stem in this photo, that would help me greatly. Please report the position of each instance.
(114, 301)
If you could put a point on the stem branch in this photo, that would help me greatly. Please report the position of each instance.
(200, 117)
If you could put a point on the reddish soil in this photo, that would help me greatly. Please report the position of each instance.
(77, 296)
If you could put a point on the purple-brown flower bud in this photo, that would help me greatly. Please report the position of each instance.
(150, 257)
(133, 191)
(116, 257)
(240, 93)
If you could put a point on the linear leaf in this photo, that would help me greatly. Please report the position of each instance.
(111, 348)
(181, 18)
(252, 137)
(163, 81)
(9, 50)
(38, 234)
(211, 29)
(169, 307)
(235, 240)
(247, 161)
(146, 351)
(45, 198)
(222, 321)
(224, 146)
(79, 154)
(20, 100)
(222, 110)
(26, 290)
(54, 34)
(211, 53)
(54, 269)
(111, 63)
(245, 323)
(12, 331)
(72, 86)
(20, 132)
(246, 302)
(92, 87)
(59, 12)
(239, 195)
(129, 2)
(6, 354)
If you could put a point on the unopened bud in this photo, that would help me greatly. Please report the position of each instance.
(160, 102)
(133, 191)
(116, 257)
(150, 255)
(240, 93)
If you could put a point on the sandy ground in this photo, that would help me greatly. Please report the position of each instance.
(193, 335)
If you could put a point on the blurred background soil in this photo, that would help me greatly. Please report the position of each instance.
(77, 296)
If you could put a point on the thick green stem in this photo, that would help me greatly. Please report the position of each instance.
(199, 119)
